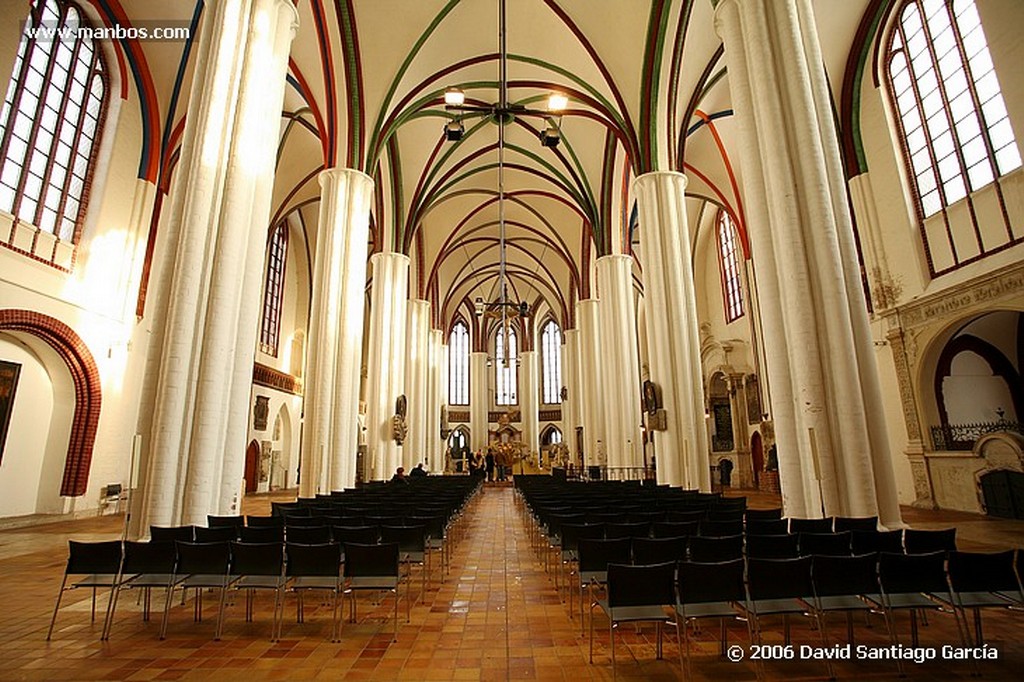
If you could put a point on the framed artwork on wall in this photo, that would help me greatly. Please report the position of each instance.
(9, 372)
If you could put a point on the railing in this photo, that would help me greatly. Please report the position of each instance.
(596, 472)
(960, 437)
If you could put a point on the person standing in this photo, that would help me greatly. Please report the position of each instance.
(489, 460)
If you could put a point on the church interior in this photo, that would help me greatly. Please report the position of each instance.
(649, 268)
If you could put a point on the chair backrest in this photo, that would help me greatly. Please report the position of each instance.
(371, 560)
(363, 535)
(875, 541)
(303, 521)
(713, 550)
(203, 558)
(307, 535)
(220, 521)
(595, 555)
(725, 514)
(87, 558)
(844, 575)
(216, 534)
(674, 529)
(906, 573)
(434, 524)
(843, 523)
(172, 534)
(647, 516)
(262, 558)
(810, 525)
(684, 515)
(264, 521)
(572, 532)
(652, 585)
(647, 551)
(983, 572)
(408, 538)
(832, 544)
(322, 560)
(703, 582)
(772, 546)
(763, 514)
(636, 529)
(148, 557)
(779, 578)
(766, 527)
(926, 541)
(261, 534)
(720, 529)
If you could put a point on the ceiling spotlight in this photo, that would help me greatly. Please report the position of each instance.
(454, 130)
(557, 101)
(550, 137)
(454, 97)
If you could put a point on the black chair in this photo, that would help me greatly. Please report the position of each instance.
(373, 567)
(263, 521)
(876, 542)
(648, 551)
(436, 529)
(913, 582)
(781, 587)
(307, 535)
(97, 564)
(846, 584)
(216, 534)
(261, 534)
(772, 547)
(303, 520)
(685, 515)
(831, 544)
(172, 534)
(259, 567)
(982, 581)
(763, 514)
(707, 590)
(766, 527)
(636, 594)
(593, 560)
(200, 566)
(713, 550)
(844, 523)
(571, 535)
(927, 541)
(222, 521)
(810, 525)
(363, 535)
(315, 567)
(721, 529)
(412, 548)
(146, 565)
(636, 529)
(674, 529)
(725, 514)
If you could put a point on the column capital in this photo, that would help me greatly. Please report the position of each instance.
(654, 176)
(613, 257)
(338, 174)
(389, 255)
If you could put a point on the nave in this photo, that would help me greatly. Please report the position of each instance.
(497, 616)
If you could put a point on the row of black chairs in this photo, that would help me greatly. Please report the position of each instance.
(953, 582)
(333, 567)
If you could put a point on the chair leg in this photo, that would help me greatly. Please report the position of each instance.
(892, 637)
(60, 596)
(611, 638)
(167, 611)
(394, 637)
(335, 620)
(111, 605)
(92, 614)
(220, 611)
(591, 625)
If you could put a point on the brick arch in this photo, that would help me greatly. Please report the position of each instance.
(86, 379)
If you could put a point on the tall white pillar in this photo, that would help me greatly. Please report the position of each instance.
(386, 367)
(330, 432)
(479, 400)
(621, 384)
(206, 304)
(435, 399)
(673, 340)
(592, 369)
(826, 400)
(529, 400)
(417, 376)
(571, 380)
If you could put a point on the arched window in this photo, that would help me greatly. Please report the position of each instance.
(273, 290)
(551, 347)
(506, 367)
(729, 267)
(51, 121)
(953, 125)
(458, 365)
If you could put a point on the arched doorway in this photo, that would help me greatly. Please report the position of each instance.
(757, 457)
(458, 450)
(252, 467)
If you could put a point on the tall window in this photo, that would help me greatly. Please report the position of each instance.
(729, 266)
(953, 123)
(506, 357)
(458, 365)
(273, 291)
(551, 347)
(50, 122)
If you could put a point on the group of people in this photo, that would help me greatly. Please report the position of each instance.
(401, 477)
(493, 466)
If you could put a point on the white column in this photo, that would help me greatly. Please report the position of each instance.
(621, 385)
(206, 311)
(673, 340)
(417, 375)
(592, 405)
(330, 433)
(435, 399)
(571, 380)
(479, 400)
(386, 367)
(529, 400)
(826, 399)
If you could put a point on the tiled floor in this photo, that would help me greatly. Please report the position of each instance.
(497, 617)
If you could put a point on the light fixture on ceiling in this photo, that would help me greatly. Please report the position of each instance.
(454, 97)
(454, 130)
(550, 136)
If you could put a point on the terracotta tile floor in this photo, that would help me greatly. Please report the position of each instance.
(496, 617)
